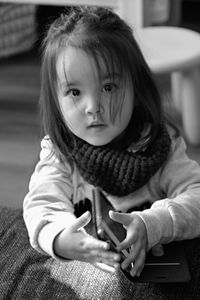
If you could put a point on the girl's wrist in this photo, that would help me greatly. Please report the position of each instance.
(58, 249)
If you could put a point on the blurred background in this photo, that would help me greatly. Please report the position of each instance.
(22, 28)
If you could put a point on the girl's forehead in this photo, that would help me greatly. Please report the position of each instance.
(75, 61)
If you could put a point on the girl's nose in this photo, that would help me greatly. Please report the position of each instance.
(93, 106)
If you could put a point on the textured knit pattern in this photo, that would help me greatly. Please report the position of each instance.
(25, 274)
(120, 172)
(17, 28)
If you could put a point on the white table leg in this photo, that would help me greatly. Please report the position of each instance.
(191, 105)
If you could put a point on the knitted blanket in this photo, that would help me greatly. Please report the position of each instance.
(26, 274)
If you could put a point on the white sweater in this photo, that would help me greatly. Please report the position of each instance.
(174, 192)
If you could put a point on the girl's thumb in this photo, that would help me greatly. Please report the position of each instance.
(82, 221)
(121, 218)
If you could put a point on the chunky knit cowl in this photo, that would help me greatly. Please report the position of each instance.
(120, 172)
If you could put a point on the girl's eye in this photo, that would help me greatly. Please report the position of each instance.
(108, 88)
(73, 92)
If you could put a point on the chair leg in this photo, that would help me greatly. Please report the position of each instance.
(190, 90)
(176, 90)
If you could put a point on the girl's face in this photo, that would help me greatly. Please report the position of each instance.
(86, 94)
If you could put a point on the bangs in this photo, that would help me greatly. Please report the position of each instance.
(113, 67)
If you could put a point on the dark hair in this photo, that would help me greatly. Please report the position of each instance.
(97, 30)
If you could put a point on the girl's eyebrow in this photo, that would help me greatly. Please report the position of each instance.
(67, 84)
(113, 75)
(103, 77)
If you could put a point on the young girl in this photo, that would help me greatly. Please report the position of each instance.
(104, 128)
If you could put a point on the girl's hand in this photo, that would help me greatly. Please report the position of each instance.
(73, 243)
(136, 239)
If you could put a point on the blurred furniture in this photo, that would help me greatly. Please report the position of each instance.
(131, 10)
(161, 12)
(136, 12)
(17, 28)
(176, 51)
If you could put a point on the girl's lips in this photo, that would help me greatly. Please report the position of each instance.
(96, 126)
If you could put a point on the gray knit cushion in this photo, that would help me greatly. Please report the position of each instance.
(26, 274)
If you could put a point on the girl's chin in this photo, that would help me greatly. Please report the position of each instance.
(98, 142)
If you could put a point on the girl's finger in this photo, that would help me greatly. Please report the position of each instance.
(80, 222)
(94, 244)
(121, 218)
(129, 240)
(109, 263)
(105, 267)
(138, 264)
(107, 255)
(131, 257)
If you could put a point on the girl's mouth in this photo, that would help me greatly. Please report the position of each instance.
(96, 126)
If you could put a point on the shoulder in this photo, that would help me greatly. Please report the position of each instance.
(179, 164)
(178, 143)
(46, 147)
(49, 156)
(48, 152)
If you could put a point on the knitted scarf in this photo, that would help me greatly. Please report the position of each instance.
(120, 172)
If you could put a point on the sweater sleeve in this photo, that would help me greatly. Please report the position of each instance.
(47, 207)
(176, 216)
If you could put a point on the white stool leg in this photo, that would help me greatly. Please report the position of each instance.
(176, 89)
(191, 105)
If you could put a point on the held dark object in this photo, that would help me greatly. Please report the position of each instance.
(171, 267)
(106, 229)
